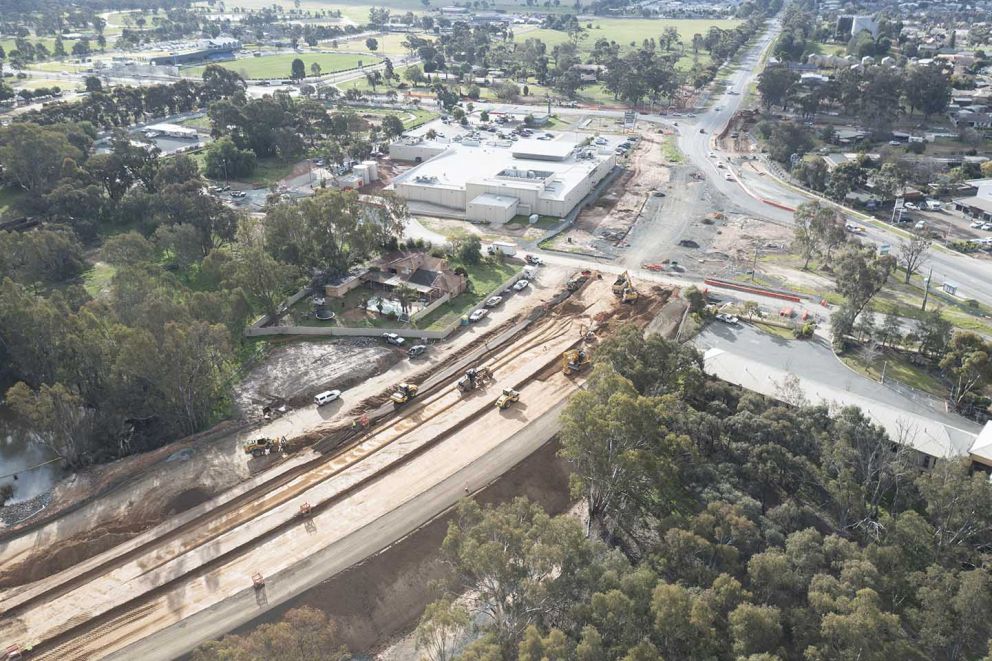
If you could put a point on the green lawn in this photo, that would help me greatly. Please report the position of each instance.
(96, 279)
(670, 149)
(389, 44)
(8, 197)
(202, 122)
(624, 31)
(484, 277)
(899, 368)
(279, 66)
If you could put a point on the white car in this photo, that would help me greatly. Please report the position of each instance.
(728, 176)
(493, 301)
(478, 314)
(727, 318)
(393, 338)
(912, 206)
(521, 285)
(976, 224)
(326, 397)
(987, 226)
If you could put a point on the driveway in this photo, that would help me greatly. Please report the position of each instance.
(761, 362)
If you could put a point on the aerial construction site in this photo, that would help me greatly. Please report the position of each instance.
(385, 467)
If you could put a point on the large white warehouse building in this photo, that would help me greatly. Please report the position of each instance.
(497, 180)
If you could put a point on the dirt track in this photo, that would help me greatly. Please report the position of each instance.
(174, 572)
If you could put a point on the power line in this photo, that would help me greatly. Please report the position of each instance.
(31, 468)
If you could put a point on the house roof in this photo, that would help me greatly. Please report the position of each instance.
(981, 449)
(423, 277)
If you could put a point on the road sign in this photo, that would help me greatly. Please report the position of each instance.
(629, 118)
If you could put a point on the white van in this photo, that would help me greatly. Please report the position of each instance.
(326, 397)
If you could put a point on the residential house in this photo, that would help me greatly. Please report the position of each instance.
(427, 275)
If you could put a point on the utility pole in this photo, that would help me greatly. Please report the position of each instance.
(754, 264)
(926, 290)
(885, 364)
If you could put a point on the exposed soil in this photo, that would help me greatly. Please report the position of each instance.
(384, 596)
(295, 372)
(605, 224)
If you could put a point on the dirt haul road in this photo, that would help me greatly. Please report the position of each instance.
(393, 474)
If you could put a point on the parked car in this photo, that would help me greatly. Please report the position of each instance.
(920, 224)
(521, 285)
(534, 260)
(493, 301)
(912, 205)
(987, 226)
(326, 397)
(478, 314)
(728, 176)
(727, 318)
(417, 350)
(976, 224)
(393, 338)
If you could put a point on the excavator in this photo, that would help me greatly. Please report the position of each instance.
(623, 288)
(574, 360)
(508, 397)
(474, 378)
(258, 447)
(404, 393)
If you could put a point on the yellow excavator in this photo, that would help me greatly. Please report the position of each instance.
(508, 397)
(258, 447)
(623, 288)
(404, 393)
(574, 360)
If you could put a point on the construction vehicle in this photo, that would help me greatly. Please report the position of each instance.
(404, 393)
(13, 653)
(578, 280)
(574, 360)
(474, 378)
(623, 288)
(258, 447)
(508, 397)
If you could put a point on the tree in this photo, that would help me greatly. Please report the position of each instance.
(608, 430)
(927, 89)
(469, 250)
(392, 125)
(56, 416)
(93, 84)
(440, 624)
(261, 276)
(845, 178)
(33, 155)
(43, 257)
(860, 274)
(804, 229)
(372, 44)
(303, 634)
(298, 70)
(518, 563)
(861, 631)
(967, 364)
(934, 334)
(330, 231)
(414, 74)
(956, 499)
(225, 161)
(913, 252)
(315, 69)
(775, 84)
(755, 629)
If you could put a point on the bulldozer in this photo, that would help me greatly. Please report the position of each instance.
(258, 447)
(623, 288)
(508, 397)
(404, 393)
(475, 377)
(574, 360)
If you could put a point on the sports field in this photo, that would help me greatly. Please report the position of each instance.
(389, 44)
(624, 31)
(280, 66)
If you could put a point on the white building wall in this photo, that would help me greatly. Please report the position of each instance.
(491, 213)
(401, 151)
(440, 195)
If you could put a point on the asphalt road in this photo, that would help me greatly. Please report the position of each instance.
(760, 362)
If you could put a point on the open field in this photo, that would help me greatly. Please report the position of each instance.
(279, 66)
(389, 44)
(625, 31)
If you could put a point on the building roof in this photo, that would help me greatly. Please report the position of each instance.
(981, 449)
(497, 201)
(544, 150)
(983, 204)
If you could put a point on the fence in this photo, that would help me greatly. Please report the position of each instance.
(430, 308)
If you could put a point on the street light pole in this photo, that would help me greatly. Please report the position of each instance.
(926, 290)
